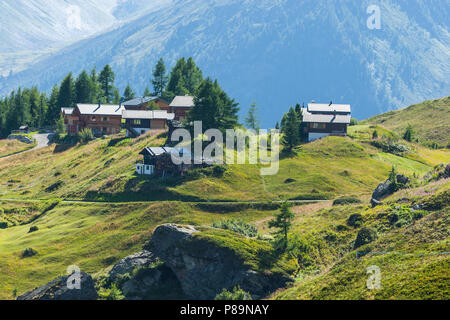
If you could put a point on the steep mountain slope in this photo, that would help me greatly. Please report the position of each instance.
(430, 120)
(278, 53)
(30, 30)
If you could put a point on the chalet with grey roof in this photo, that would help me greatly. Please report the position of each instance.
(180, 106)
(143, 103)
(320, 120)
(102, 119)
(138, 122)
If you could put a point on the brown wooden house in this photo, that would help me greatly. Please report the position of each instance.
(180, 106)
(102, 119)
(320, 120)
(142, 103)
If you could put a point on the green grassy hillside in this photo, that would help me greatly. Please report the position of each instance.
(412, 253)
(103, 170)
(9, 147)
(430, 120)
(94, 236)
(91, 236)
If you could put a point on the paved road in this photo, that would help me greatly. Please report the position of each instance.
(42, 141)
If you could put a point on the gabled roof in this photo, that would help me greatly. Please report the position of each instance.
(326, 108)
(182, 102)
(157, 151)
(102, 110)
(325, 117)
(147, 114)
(67, 111)
(140, 100)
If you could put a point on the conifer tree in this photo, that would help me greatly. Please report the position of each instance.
(160, 78)
(53, 110)
(213, 107)
(66, 95)
(283, 222)
(106, 81)
(83, 88)
(128, 94)
(291, 130)
(252, 121)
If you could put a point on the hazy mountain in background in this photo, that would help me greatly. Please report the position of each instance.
(32, 29)
(276, 52)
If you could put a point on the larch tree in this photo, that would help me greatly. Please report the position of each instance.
(106, 80)
(160, 78)
(252, 121)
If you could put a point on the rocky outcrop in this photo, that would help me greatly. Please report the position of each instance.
(204, 268)
(128, 264)
(59, 290)
(21, 138)
(386, 188)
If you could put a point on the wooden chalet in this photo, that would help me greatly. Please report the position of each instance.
(138, 122)
(320, 120)
(102, 119)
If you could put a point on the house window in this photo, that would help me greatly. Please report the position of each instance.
(105, 129)
(319, 125)
(93, 118)
(105, 119)
(137, 122)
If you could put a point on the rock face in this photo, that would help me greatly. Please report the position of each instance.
(204, 268)
(58, 290)
(384, 189)
(128, 264)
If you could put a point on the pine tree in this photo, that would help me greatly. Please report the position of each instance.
(128, 94)
(192, 76)
(409, 133)
(251, 120)
(106, 80)
(283, 222)
(83, 88)
(33, 102)
(147, 92)
(53, 110)
(95, 86)
(42, 110)
(213, 107)
(291, 130)
(66, 96)
(160, 78)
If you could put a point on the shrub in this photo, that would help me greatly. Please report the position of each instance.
(33, 229)
(346, 200)
(85, 135)
(390, 146)
(365, 236)
(237, 226)
(112, 293)
(218, 171)
(236, 294)
(29, 252)
(3, 225)
(355, 220)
